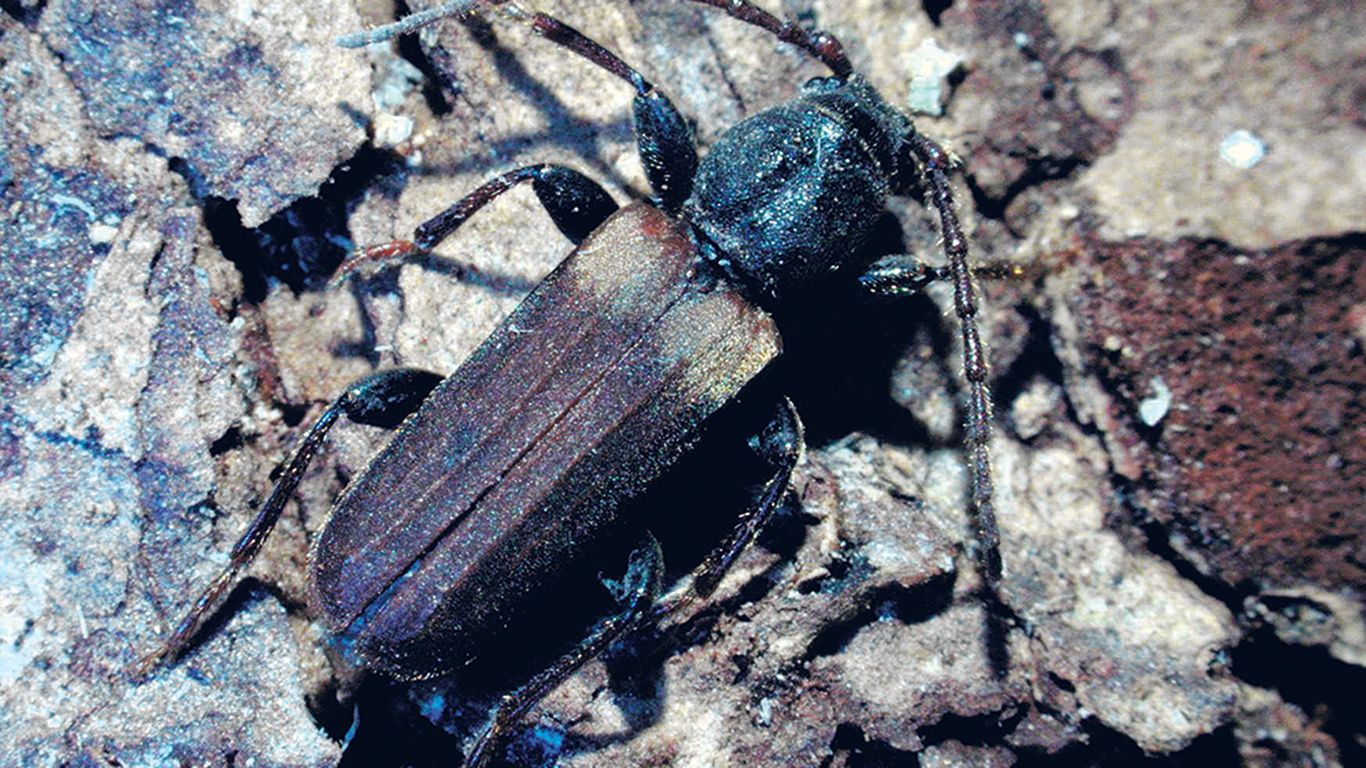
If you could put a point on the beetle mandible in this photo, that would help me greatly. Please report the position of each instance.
(660, 315)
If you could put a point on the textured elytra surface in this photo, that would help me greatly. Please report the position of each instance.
(144, 393)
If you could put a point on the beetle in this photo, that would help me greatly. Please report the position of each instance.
(609, 370)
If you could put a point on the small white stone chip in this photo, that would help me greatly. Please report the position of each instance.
(101, 233)
(930, 65)
(1241, 149)
(1152, 409)
(392, 130)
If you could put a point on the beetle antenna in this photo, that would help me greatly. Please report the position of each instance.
(934, 164)
(822, 45)
(413, 22)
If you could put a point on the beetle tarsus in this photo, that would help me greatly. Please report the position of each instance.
(397, 249)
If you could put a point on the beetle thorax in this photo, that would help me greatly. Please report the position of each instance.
(789, 194)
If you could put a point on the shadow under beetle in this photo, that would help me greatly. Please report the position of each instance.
(605, 374)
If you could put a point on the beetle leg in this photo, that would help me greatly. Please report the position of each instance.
(662, 135)
(899, 275)
(635, 592)
(380, 399)
(781, 444)
(577, 204)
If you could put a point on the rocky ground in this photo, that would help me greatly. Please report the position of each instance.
(1170, 196)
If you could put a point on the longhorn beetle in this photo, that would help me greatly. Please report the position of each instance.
(501, 473)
